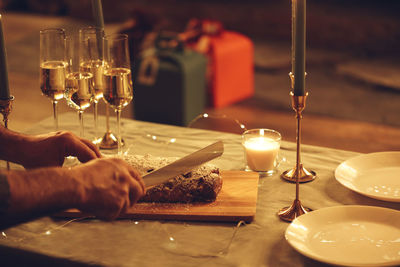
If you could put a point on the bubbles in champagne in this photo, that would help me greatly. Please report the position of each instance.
(52, 79)
(79, 90)
(118, 90)
(96, 68)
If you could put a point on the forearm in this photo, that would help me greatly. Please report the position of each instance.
(102, 187)
(39, 192)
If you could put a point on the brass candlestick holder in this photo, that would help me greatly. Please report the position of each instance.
(5, 109)
(298, 105)
(298, 173)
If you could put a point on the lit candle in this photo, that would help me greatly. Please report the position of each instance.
(98, 13)
(299, 46)
(4, 90)
(261, 153)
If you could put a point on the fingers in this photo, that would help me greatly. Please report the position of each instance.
(112, 185)
(135, 192)
(121, 205)
(81, 148)
(135, 182)
(82, 152)
(136, 185)
(93, 147)
(135, 174)
(110, 213)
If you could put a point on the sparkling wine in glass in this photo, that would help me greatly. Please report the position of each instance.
(92, 62)
(53, 66)
(118, 87)
(117, 77)
(78, 83)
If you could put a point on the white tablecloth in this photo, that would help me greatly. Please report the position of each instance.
(175, 243)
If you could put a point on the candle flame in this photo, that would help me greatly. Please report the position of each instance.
(261, 144)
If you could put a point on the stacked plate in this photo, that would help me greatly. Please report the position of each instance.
(355, 235)
(376, 175)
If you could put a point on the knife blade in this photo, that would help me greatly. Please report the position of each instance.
(183, 165)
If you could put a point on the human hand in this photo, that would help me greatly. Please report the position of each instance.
(107, 187)
(52, 148)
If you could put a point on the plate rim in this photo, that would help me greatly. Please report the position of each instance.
(325, 210)
(355, 189)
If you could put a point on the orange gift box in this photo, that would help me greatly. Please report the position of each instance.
(231, 62)
(232, 67)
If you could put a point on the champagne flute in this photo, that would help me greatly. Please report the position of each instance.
(92, 61)
(78, 83)
(53, 66)
(117, 77)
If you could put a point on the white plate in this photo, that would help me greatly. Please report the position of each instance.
(348, 235)
(376, 175)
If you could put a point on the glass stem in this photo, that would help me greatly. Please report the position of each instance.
(55, 114)
(107, 118)
(95, 103)
(81, 130)
(118, 111)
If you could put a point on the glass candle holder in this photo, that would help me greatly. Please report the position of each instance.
(261, 149)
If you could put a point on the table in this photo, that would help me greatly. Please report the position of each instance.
(91, 242)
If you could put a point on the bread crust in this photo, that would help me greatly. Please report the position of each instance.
(202, 184)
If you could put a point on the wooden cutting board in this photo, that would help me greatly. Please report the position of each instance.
(236, 202)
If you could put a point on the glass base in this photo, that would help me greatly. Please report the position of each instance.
(108, 141)
(262, 173)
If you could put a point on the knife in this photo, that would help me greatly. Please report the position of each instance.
(183, 165)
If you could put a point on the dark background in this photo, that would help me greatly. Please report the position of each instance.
(353, 47)
(369, 26)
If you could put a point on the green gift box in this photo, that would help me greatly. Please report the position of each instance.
(169, 83)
